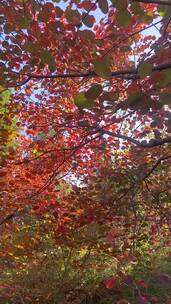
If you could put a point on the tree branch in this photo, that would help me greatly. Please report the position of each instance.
(158, 162)
(143, 179)
(162, 2)
(93, 74)
(7, 218)
(152, 143)
(126, 74)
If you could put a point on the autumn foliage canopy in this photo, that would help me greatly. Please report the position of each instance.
(85, 125)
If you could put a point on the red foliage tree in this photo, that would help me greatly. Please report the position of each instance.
(90, 83)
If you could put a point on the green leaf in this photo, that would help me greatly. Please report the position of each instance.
(164, 10)
(103, 5)
(72, 16)
(136, 8)
(51, 133)
(120, 4)
(87, 35)
(5, 96)
(140, 101)
(59, 11)
(81, 101)
(147, 18)
(166, 75)
(145, 69)
(44, 14)
(109, 96)
(24, 22)
(88, 20)
(135, 98)
(8, 28)
(46, 57)
(102, 69)
(123, 18)
(165, 98)
(93, 229)
(94, 92)
(125, 48)
(41, 136)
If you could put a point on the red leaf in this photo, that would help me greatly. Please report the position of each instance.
(110, 283)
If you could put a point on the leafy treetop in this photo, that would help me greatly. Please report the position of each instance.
(88, 84)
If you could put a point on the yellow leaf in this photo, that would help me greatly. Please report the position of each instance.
(2, 89)
(19, 246)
